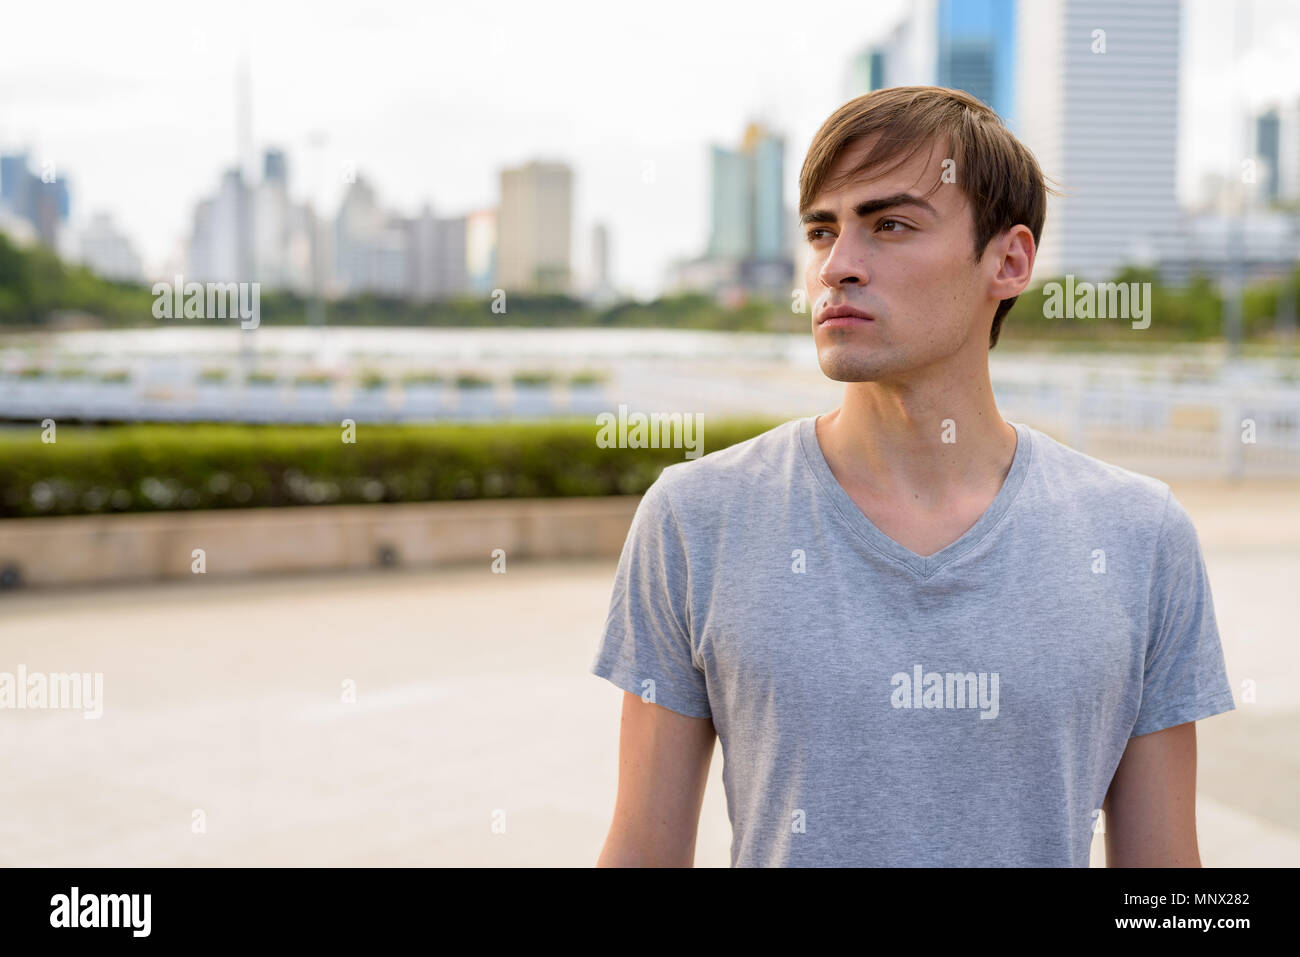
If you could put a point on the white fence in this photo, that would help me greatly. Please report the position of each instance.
(1217, 429)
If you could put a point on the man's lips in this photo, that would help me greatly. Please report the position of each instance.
(842, 316)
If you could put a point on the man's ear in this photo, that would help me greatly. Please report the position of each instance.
(1015, 262)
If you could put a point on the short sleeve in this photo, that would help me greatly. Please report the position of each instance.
(1184, 675)
(646, 648)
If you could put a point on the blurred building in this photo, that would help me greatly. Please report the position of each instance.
(965, 45)
(535, 226)
(422, 258)
(438, 257)
(106, 252)
(908, 56)
(600, 290)
(282, 231)
(221, 240)
(481, 250)
(1277, 150)
(976, 46)
(359, 231)
(1260, 245)
(752, 239)
(1104, 127)
(41, 201)
(254, 233)
(371, 246)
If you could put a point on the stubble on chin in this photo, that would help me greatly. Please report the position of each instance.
(842, 364)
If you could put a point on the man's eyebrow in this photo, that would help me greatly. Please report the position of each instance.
(867, 207)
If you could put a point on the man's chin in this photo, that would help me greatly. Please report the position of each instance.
(847, 368)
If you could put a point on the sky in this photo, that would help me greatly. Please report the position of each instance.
(135, 102)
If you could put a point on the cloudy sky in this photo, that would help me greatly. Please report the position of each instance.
(135, 102)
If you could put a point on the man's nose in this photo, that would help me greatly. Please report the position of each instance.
(846, 264)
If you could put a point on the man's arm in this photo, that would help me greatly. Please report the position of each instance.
(1150, 809)
(663, 766)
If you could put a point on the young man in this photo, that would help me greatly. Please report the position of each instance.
(924, 636)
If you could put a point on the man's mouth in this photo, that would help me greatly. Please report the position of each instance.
(843, 315)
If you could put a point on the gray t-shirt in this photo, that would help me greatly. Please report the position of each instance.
(880, 708)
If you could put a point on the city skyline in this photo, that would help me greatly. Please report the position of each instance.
(643, 168)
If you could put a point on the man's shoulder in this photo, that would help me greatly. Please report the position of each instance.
(1095, 485)
(744, 465)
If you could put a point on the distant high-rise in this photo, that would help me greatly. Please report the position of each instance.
(14, 182)
(771, 241)
(356, 229)
(964, 45)
(600, 290)
(40, 200)
(908, 56)
(867, 71)
(275, 168)
(388, 266)
(221, 241)
(481, 250)
(271, 225)
(749, 225)
(1288, 151)
(438, 257)
(733, 204)
(599, 255)
(976, 51)
(106, 252)
(451, 275)
(1104, 128)
(1277, 146)
(535, 225)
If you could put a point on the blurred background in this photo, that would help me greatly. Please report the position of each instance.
(309, 314)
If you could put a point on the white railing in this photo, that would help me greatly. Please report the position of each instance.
(1216, 429)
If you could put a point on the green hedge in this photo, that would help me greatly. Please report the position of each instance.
(145, 468)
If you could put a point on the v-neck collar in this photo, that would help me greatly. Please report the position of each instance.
(923, 565)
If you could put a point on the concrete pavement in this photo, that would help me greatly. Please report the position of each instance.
(476, 737)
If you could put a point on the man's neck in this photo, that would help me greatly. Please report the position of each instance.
(920, 444)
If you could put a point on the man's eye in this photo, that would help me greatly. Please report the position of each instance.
(896, 223)
(812, 234)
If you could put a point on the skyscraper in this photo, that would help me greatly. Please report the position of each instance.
(976, 51)
(106, 252)
(221, 241)
(535, 228)
(481, 249)
(600, 290)
(961, 44)
(271, 224)
(733, 207)
(42, 201)
(1098, 83)
(1277, 146)
(438, 256)
(749, 227)
(357, 228)
(908, 56)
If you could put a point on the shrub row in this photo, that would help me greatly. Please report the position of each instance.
(143, 468)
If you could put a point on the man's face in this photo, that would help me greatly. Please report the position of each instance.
(907, 265)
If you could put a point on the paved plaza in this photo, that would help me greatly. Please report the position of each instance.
(477, 736)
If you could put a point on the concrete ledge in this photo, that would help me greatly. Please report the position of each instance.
(160, 545)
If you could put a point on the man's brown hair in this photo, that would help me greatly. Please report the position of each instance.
(995, 171)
